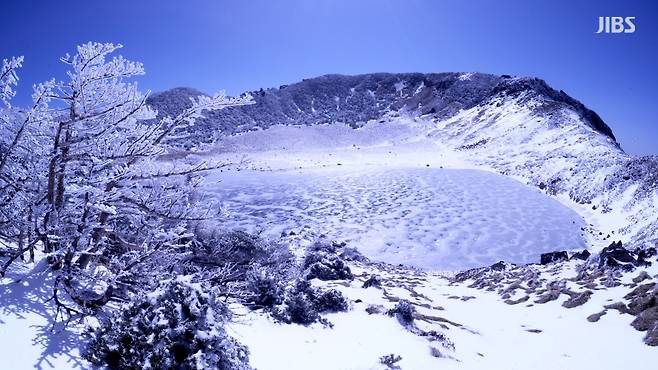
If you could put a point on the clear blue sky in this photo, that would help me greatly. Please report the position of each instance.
(244, 45)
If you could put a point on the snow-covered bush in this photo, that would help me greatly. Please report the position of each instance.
(372, 281)
(239, 250)
(303, 303)
(404, 311)
(390, 361)
(352, 254)
(322, 261)
(265, 286)
(330, 301)
(180, 325)
(297, 308)
(434, 336)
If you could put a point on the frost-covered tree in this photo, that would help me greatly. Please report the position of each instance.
(20, 161)
(99, 193)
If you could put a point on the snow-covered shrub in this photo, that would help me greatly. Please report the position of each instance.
(323, 262)
(179, 325)
(329, 267)
(434, 336)
(373, 281)
(264, 286)
(352, 254)
(303, 304)
(239, 250)
(404, 311)
(391, 361)
(298, 308)
(330, 301)
(219, 248)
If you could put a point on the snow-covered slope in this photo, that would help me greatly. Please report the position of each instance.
(518, 127)
(568, 315)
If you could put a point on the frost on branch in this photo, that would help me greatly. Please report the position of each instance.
(9, 78)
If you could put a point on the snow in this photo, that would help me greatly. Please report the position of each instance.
(441, 219)
(486, 331)
(466, 76)
(421, 192)
(505, 136)
(28, 338)
(356, 341)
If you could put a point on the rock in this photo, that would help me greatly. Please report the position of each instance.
(642, 303)
(498, 266)
(643, 256)
(640, 291)
(551, 295)
(584, 255)
(650, 252)
(646, 319)
(616, 256)
(641, 277)
(619, 306)
(552, 257)
(596, 316)
(651, 338)
(578, 299)
(517, 301)
(375, 309)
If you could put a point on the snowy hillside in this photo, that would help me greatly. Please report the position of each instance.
(517, 127)
(354, 100)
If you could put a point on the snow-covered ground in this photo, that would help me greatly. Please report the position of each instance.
(487, 331)
(29, 339)
(440, 219)
(423, 193)
(386, 189)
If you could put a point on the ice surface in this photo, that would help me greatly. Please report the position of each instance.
(441, 219)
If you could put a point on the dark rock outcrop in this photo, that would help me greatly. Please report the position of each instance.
(553, 257)
(583, 255)
(616, 256)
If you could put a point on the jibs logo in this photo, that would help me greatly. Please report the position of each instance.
(616, 25)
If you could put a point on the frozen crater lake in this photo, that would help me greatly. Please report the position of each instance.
(443, 219)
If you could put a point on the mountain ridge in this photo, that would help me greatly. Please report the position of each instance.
(355, 99)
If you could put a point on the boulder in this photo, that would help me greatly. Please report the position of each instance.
(646, 319)
(553, 257)
(651, 338)
(498, 266)
(584, 255)
(616, 256)
(643, 256)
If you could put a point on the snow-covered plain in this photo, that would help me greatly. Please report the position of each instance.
(440, 219)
